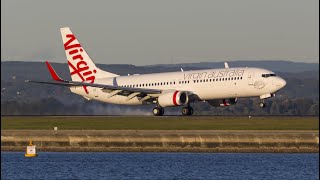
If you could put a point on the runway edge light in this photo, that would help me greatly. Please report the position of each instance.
(31, 150)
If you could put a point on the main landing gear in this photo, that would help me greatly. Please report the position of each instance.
(262, 103)
(187, 111)
(158, 111)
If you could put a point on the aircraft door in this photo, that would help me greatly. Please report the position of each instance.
(250, 78)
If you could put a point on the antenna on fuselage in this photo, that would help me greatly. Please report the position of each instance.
(226, 65)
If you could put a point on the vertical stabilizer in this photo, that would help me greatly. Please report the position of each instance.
(81, 67)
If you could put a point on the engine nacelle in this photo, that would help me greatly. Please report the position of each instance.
(222, 102)
(173, 98)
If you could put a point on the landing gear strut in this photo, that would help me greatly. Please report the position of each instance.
(187, 111)
(262, 103)
(158, 111)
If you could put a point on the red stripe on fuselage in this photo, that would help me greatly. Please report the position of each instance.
(174, 98)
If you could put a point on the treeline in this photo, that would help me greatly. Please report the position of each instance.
(52, 106)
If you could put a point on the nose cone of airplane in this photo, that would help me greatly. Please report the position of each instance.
(280, 83)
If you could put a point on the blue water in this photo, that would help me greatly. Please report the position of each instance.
(54, 165)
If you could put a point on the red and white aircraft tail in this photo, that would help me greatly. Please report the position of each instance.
(81, 67)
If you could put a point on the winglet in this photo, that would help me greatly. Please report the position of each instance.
(53, 73)
(226, 65)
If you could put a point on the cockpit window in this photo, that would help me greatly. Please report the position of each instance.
(268, 75)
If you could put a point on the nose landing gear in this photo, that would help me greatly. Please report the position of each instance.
(262, 103)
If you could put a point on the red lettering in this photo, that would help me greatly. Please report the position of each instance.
(77, 57)
(91, 79)
(67, 44)
(87, 73)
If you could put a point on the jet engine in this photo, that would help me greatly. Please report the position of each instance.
(222, 102)
(173, 98)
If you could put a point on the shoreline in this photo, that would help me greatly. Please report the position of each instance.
(211, 141)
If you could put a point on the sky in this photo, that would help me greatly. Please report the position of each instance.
(145, 32)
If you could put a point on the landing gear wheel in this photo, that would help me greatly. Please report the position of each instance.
(263, 104)
(158, 111)
(191, 110)
(187, 111)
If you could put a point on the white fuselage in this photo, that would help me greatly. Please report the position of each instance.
(207, 84)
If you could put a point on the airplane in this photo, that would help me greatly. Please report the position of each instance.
(219, 87)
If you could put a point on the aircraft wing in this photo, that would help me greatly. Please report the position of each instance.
(61, 82)
(76, 83)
